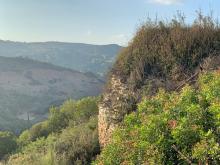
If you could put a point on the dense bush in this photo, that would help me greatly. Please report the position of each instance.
(7, 143)
(166, 50)
(69, 136)
(38, 152)
(75, 145)
(171, 128)
(70, 113)
(78, 145)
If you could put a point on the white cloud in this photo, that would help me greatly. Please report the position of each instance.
(165, 2)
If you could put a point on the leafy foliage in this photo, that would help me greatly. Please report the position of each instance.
(171, 128)
(69, 136)
(78, 145)
(71, 113)
(7, 143)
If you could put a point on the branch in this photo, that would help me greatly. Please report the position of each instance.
(181, 154)
(186, 81)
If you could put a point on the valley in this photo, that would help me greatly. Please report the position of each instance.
(28, 88)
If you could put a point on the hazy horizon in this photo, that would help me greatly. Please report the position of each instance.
(67, 42)
(92, 22)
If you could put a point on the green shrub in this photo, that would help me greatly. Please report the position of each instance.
(38, 152)
(57, 120)
(171, 128)
(78, 145)
(72, 113)
(7, 143)
(69, 136)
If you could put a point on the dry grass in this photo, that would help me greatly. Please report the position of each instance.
(168, 50)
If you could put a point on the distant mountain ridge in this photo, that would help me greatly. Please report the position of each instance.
(29, 87)
(78, 56)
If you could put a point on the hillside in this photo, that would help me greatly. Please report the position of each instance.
(164, 55)
(29, 88)
(170, 128)
(161, 102)
(68, 136)
(160, 106)
(81, 57)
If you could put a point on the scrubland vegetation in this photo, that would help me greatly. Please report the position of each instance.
(168, 50)
(178, 124)
(172, 126)
(69, 136)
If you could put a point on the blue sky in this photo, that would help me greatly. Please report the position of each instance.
(88, 21)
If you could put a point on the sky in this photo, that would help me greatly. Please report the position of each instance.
(89, 21)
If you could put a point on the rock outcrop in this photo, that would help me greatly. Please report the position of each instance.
(116, 103)
(120, 100)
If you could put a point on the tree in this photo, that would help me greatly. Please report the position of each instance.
(7, 143)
